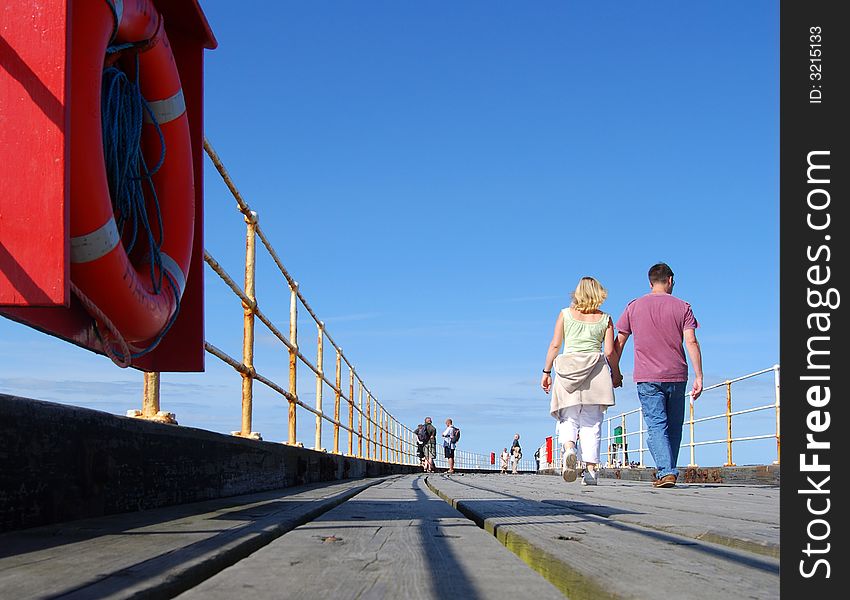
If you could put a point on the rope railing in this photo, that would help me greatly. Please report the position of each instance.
(617, 450)
(378, 434)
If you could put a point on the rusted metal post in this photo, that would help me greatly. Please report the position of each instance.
(336, 399)
(693, 462)
(376, 431)
(388, 439)
(350, 411)
(360, 420)
(150, 402)
(381, 434)
(625, 441)
(369, 425)
(320, 366)
(393, 441)
(729, 462)
(150, 395)
(403, 441)
(251, 221)
(640, 437)
(776, 385)
(293, 358)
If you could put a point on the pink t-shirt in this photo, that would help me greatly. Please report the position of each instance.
(657, 322)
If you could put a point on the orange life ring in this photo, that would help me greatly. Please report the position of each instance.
(121, 286)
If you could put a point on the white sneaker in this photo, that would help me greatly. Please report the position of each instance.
(589, 478)
(568, 469)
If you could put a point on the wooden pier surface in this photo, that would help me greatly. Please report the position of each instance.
(415, 536)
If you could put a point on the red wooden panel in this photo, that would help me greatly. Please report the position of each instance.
(33, 180)
(24, 23)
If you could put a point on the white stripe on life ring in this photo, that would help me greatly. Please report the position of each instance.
(171, 266)
(166, 110)
(100, 242)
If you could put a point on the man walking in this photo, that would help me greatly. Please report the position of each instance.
(660, 323)
(450, 439)
(421, 437)
(430, 446)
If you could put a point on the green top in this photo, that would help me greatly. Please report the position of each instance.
(580, 336)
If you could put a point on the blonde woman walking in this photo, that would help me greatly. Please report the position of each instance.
(586, 374)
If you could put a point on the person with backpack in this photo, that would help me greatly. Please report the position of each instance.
(430, 446)
(420, 434)
(451, 435)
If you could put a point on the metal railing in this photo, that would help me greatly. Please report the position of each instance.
(618, 450)
(479, 462)
(372, 431)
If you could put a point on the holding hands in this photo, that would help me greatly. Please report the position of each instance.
(617, 379)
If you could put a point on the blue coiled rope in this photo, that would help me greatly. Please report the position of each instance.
(122, 116)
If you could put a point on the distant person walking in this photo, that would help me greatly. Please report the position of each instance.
(516, 454)
(537, 459)
(660, 323)
(430, 446)
(451, 435)
(421, 437)
(618, 445)
(586, 374)
(504, 460)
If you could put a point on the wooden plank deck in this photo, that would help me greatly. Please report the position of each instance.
(512, 536)
(155, 553)
(625, 539)
(394, 540)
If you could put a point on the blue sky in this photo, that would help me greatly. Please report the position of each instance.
(438, 175)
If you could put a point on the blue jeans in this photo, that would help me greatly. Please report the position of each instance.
(663, 406)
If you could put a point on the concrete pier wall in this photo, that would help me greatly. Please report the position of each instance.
(59, 463)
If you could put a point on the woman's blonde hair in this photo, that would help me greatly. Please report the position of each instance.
(589, 295)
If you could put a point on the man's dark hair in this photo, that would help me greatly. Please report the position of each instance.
(660, 273)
